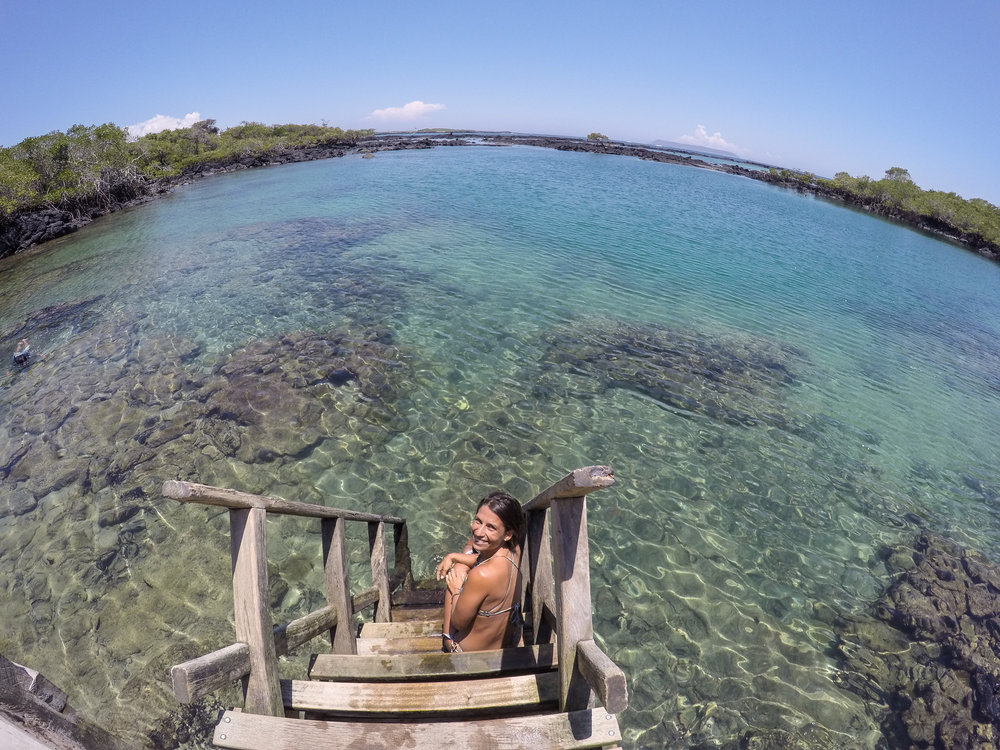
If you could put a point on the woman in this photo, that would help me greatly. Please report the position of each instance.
(482, 606)
(22, 352)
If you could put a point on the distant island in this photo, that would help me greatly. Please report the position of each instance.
(54, 184)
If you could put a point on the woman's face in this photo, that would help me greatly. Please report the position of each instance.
(488, 532)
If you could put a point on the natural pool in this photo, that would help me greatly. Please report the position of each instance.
(783, 387)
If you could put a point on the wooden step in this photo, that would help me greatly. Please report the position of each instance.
(427, 594)
(390, 646)
(578, 729)
(491, 695)
(407, 614)
(432, 666)
(418, 604)
(405, 629)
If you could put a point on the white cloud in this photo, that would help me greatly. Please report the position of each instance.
(162, 122)
(702, 138)
(410, 111)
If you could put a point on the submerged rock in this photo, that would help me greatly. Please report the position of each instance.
(90, 433)
(736, 379)
(931, 652)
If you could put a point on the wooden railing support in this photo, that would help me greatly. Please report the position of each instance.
(540, 573)
(559, 581)
(338, 593)
(571, 569)
(252, 609)
(380, 571)
(254, 655)
(403, 572)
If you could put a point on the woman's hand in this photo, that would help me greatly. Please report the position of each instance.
(456, 578)
(445, 566)
(466, 559)
(454, 570)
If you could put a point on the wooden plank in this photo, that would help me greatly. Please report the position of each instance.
(605, 677)
(419, 598)
(399, 699)
(417, 614)
(363, 599)
(574, 731)
(404, 629)
(252, 609)
(291, 635)
(198, 677)
(403, 570)
(575, 484)
(539, 573)
(430, 666)
(193, 492)
(380, 571)
(571, 570)
(386, 646)
(338, 590)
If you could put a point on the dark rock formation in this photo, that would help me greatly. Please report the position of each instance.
(931, 653)
(731, 379)
(600, 147)
(930, 224)
(26, 229)
(154, 414)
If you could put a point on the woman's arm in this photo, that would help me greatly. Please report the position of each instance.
(455, 568)
(467, 558)
(472, 590)
(452, 559)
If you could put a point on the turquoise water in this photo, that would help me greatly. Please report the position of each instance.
(781, 385)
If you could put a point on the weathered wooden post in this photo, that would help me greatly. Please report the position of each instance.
(338, 590)
(569, 542)
(571, 568)
(540, 573)
(380, 571)
(402, 572)
(252, 608)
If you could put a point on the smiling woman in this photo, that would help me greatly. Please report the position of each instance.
(482, 603)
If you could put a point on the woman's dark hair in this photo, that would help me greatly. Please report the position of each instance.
(508, 510)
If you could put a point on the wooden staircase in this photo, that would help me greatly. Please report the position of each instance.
(387, 683)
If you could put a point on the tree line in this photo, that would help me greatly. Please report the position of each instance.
(99, 165)
(897, 196)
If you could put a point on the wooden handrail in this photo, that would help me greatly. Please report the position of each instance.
(253, 657)
(557, 580)
(558, 577)
(575, 484)
(192, 492)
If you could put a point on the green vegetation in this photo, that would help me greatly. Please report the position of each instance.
(90, 169)
(897, 196)
(98, 165)
(55, 168)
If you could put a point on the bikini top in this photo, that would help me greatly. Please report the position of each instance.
(510, 580)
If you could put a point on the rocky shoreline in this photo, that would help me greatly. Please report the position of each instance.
(929, 653)
(929, 224)
(25, 230)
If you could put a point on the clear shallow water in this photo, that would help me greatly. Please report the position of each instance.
(782, 386)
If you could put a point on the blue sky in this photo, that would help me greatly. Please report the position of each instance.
(844, 86)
